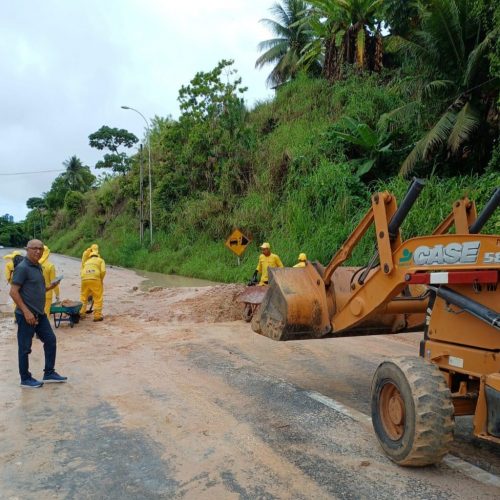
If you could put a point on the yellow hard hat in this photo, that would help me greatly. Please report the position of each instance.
(266, 245)
(302, 257)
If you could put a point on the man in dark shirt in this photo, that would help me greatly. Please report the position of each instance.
(28, 292)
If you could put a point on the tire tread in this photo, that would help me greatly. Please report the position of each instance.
(434, 413)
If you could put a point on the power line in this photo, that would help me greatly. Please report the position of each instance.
(33, 172)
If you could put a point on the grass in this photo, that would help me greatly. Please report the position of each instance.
(316, 220)
(302, 196)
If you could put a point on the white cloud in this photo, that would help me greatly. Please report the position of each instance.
(68, 66)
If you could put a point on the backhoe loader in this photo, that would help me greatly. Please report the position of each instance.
(445, 285)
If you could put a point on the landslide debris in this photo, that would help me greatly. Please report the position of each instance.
(211, 304)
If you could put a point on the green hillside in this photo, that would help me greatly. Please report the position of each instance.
(298, 170)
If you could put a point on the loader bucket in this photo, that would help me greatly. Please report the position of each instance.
(295, 305)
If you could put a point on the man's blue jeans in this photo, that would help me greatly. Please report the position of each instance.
(25, 335)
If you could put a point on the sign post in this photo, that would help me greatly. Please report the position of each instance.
(237, 243)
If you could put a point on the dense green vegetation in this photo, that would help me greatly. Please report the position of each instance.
(356, 110)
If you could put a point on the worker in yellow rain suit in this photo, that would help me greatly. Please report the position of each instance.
(85, 255)
(49, 275)
(92, 274)
(9, 265)
(301, 260)
(266, 260)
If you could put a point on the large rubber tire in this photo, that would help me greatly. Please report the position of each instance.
(412, 411)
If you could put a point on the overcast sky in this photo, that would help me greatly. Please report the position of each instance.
(66, 67)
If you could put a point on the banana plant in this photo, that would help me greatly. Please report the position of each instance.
(370, 144)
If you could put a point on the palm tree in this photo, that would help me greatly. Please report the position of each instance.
(74, 175)
(450, 55)
(292, 35)
(348, 33)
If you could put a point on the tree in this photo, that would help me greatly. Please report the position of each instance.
(207, 97)
(349, 32)
(112, 139)
(37, 207)
(212, 128)
(34, 203)
(13, 234)
(77, 176)
(451, 69)
(73, 203)
(401, 16)
(292, 37)
(54, 198)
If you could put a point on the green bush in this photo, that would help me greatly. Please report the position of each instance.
(73, 203)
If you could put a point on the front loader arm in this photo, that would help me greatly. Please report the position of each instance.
(439, 253)
(388, 219)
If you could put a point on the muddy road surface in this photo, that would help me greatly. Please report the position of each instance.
(173, 396)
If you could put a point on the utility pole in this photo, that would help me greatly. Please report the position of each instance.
(141, 198)
(149, 173)
(40, 213)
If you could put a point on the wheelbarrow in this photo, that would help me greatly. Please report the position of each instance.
(66, 311)
(251, 299)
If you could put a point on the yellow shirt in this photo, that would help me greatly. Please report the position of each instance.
(300, 264)
(264, 263)
(93, 269)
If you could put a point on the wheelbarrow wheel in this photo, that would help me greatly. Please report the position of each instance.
(248, 313)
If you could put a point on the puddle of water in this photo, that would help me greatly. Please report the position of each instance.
(150, 278)
(170, 280)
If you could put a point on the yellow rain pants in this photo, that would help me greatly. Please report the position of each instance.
(92, 274)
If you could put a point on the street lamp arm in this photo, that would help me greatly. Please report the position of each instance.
(138, 112)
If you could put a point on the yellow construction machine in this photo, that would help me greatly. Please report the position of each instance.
(445, 285)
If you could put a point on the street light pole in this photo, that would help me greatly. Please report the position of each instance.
(149, 173)
(141, 197)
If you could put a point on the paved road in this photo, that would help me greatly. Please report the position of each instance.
(157, 408)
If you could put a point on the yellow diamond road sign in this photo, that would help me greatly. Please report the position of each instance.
(237, 242)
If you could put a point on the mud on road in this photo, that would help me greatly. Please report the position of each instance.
(173, 396)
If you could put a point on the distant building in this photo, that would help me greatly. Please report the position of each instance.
(8, 218)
